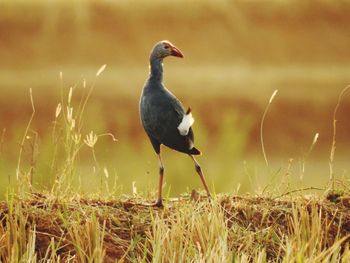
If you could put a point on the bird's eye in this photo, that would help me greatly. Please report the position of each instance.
(166, 47)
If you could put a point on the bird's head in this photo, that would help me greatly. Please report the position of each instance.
(164, 48)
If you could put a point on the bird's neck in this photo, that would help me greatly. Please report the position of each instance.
(156, 69)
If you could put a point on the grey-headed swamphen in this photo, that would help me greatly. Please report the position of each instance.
(163, 116)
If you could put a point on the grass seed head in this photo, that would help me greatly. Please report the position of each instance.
(91, 139)
(273, 96)
(102, 68)
(70, 95)
(69, 114)
(76, 138)
(58, 110)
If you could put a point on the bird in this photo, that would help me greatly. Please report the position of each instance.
(163, 116)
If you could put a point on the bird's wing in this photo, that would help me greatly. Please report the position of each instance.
(161, 116)
(161, 111)
(173, 117)
(172, 113)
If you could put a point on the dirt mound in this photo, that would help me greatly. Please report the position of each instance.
(121, 228)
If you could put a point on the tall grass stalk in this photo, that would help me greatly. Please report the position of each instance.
(84, 101)
(333, 147)
(18, 169)
(262, 126)
(314, 141)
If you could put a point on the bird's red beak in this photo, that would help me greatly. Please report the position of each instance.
(176, 52)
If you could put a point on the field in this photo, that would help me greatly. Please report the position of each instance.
(76, 168)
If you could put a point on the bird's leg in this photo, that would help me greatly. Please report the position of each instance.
(200, 173)
(160, 186)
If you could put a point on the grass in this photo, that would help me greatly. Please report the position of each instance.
(47, 228)
(262, 126)
(331, 157)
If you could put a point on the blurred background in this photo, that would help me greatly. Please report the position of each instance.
(237, 53)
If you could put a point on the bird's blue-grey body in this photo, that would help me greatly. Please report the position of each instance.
(161, 113)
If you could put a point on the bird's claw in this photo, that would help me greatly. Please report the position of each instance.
(210, 198)
(159, 204)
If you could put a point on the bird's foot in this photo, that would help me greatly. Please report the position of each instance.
(159, 204)
(210, 198)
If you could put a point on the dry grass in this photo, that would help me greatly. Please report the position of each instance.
(43, 228)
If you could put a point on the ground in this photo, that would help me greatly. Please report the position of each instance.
(230, 227)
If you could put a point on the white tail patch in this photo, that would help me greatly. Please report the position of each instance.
(186, 123)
